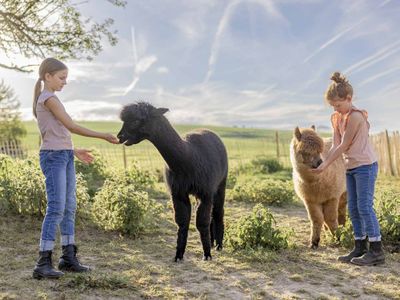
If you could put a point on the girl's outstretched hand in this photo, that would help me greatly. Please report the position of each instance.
(321, 168)
(84, 155)
(111, 138)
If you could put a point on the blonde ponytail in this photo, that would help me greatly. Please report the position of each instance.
(48, 66)
(36, 93)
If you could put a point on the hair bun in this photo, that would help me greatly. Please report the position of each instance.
(338, 78)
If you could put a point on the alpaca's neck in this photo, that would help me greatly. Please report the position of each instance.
(306, 175)
(172, 148)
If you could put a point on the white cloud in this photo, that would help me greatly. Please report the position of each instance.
(381, 54)
(267, 5)
(333, 39)
(162, 70)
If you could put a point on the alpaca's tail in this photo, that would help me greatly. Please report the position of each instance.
(342, 209)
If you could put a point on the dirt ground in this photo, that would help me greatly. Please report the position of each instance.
(124, 268)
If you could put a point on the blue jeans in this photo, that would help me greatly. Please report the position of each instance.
(360, 190)
(59, 171)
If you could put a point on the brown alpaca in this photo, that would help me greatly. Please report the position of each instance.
(324, 195)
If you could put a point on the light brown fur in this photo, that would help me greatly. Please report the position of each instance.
(324, 195)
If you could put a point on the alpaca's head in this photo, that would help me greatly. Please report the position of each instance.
(307, 147)
(138, 121)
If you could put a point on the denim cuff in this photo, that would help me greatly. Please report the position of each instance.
(374, 239)
(360, 238)
(67, 240)
(46, 245)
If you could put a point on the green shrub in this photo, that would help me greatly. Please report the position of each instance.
(265, 165)
(124, 208)
(387, 207)
(267, 191)
(159, 174)
(94, 173)
(134, 175)
(259, 165)
(388, 213)
(256, 231)
(231, 180)
(22, 187)
(345, 234)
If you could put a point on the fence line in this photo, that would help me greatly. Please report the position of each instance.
(12, 148)
(240, 151)
(387, 147)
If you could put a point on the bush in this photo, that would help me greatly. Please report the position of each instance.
(267, 191)
(260, 165)
(159, 174)
(266, 165)
(345, 234)
(134, 175)
(124, 208)
(231, 181)
(94, 173)
(387, 207)
(22, 187)
(256, 231)
(388, 214)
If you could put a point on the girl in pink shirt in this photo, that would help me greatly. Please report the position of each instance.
(57, 163)
(350, 139)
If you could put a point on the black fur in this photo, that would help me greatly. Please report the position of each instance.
(196, 165)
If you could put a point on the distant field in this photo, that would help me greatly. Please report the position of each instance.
(243, 144)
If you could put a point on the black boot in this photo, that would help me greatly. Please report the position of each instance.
(69, 261)
(360, 248)
(373, 257)
(44, 267)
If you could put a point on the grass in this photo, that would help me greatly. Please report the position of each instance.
(125, 268)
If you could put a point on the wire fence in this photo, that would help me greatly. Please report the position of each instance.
(240, 151)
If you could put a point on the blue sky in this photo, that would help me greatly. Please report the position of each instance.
(253, 63)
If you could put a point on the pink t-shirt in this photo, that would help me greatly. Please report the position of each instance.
(54, 134)
(360, 151)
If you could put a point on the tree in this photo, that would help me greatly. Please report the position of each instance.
(11, 128)
(39, 28)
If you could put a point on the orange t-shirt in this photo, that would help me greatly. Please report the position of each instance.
(360, 151)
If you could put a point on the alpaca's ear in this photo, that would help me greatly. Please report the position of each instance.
(161, 110)
(297, 133)
(313, 127)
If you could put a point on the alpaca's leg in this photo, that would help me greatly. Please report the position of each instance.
(203, 220)
(330, 210)
(218, 215)
(342, 209)
(183, 211)
(317, 219)
(212, 231)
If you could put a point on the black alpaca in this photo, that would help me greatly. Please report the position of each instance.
(196, 165)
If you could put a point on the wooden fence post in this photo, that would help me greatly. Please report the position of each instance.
(396, 144)
(389, 153)
(124, 156)
(277, 144)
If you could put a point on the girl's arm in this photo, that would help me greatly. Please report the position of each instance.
(54, 105)
(353, 125)
(335, 142)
